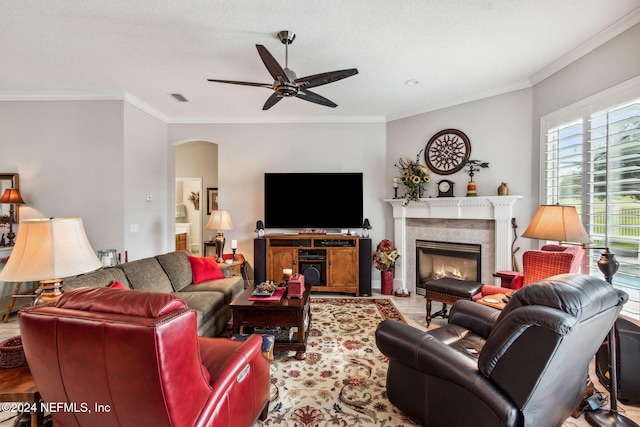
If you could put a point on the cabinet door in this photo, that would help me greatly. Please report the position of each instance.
(279, 259)
(181, 242)
(342, 267)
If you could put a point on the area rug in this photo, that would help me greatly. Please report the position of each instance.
(342, 380)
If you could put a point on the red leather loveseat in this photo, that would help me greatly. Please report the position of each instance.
(109, 357)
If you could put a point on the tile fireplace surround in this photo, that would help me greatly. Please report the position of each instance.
(484, 220)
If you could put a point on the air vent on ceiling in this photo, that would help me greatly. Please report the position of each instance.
(178, 97)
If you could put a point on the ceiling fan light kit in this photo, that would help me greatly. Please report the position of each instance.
(286, 84)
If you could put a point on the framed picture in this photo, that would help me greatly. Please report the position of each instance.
(212, 200)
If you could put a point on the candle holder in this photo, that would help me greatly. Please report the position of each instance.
(234, 254)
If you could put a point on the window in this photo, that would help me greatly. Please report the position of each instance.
(592, 161)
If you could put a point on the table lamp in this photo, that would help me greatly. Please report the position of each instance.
(220, 220)
(557, 222)
(366, 226)
(48, 250)
(13, 197)
(561, 223)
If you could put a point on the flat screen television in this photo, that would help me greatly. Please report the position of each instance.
(313, 200)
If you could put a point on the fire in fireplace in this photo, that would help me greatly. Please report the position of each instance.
(437, 260)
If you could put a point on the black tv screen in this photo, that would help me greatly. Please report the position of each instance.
(313, 200)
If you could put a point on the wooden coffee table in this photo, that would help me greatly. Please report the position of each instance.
(287, 313)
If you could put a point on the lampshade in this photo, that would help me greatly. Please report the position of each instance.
(366, 224)
(557, 222)
(220, 220)
(12, 195)
(50, 248)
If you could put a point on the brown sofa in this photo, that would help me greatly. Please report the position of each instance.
(171, 273)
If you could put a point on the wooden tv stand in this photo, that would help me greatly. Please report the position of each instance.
(331, 259)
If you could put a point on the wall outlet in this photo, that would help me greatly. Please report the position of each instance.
(135, 228)
(149, 198)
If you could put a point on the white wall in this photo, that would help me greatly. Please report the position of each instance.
(70, 157)
(92, 159)
(145, 174)
(247, 151)
(499, 129)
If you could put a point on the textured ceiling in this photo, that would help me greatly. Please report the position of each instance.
(458, 50)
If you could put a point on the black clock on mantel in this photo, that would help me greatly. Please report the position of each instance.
(445, 188)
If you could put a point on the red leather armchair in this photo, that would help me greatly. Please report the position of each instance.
(549, 261)
(133, 358)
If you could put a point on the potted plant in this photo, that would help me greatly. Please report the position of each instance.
(385, 259)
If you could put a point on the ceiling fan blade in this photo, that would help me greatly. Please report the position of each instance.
(271, 101)
(272, 65)
(233, 82)
(307, 95)
(324, 78)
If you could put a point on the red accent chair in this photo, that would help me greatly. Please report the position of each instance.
(549, 261)
(134, 358)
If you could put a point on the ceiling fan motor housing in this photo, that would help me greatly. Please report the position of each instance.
(286, 89)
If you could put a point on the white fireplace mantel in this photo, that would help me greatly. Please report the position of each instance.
(495, 208)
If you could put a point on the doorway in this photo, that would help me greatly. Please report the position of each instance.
(189, 212)
(196, 169)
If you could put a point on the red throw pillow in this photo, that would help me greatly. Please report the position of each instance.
(205, 269)
(117, 285)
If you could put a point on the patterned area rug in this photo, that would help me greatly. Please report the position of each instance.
(342, 380)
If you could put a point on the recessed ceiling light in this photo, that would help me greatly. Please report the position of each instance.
(411, 82)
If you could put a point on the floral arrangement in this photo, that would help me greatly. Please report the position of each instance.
(385, 256)
(413, 175)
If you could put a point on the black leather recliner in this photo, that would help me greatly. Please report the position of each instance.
(524, 366)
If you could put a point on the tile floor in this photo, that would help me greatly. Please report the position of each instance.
(413, 310)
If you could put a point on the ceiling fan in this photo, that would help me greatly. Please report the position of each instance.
(286, 84)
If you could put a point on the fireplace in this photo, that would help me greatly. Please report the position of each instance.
(484, 220)
(437, 260)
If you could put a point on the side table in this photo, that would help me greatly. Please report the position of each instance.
(208, 245)
(17, 385)
(238, 267)
(495, 301)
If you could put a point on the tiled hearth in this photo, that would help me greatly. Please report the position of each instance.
(480, 220)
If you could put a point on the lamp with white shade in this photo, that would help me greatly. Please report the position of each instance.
(220, 220)
(48, 250)
(562, 223)
(557, 222)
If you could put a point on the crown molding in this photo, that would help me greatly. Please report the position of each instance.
(84, 96)
(590, 45)
(280, 120)
(460, 100)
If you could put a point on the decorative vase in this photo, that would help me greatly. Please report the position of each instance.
(387, 282)
(503, 190)
(471, 189)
